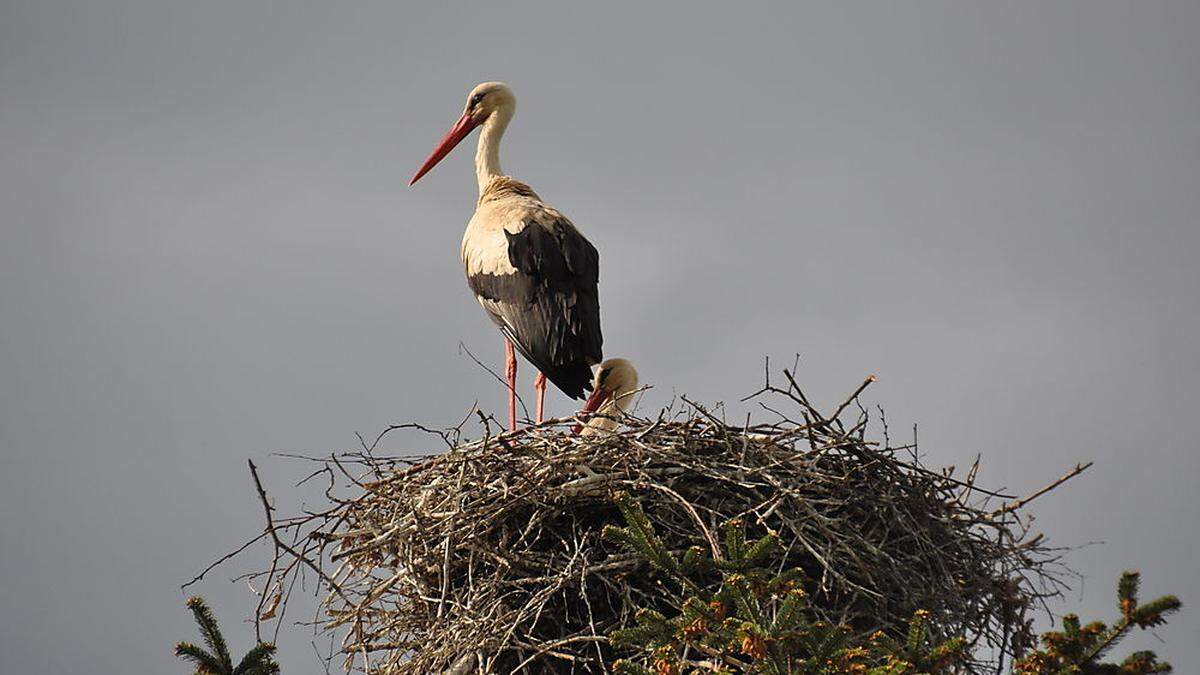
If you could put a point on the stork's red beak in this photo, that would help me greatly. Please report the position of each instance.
(459, 131)
(591, 405)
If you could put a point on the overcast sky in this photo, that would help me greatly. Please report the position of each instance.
(208, 253)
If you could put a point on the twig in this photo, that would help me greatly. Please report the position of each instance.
(495, 375)
(866, 383)
(222, 559)
(1013, 506)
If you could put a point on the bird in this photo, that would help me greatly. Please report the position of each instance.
(533, 272)
(615, 383)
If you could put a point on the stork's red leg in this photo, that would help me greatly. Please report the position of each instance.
(510, 372)
(539, 383)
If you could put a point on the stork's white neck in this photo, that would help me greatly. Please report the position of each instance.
(487, 154)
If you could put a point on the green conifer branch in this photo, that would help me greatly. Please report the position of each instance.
(210, 632)
(205, 663)
(216, 660)
(258, 661)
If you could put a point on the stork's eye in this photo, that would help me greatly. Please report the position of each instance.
(603, 376)
(476, 100)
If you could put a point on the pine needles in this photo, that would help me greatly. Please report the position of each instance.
(1080, 648)
(216, 659)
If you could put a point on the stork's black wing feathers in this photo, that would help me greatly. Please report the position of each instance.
(550, 308)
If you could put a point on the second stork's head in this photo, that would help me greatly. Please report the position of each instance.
(612, 391)
(487, 101)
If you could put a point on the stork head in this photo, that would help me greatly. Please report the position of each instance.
(485, 100)
(612, 390)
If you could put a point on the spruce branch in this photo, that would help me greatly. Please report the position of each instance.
(210, 632)
(216, 660)
(206, 663)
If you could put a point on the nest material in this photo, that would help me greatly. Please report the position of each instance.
(488, 557)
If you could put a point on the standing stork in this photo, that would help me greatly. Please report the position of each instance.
(534, 274)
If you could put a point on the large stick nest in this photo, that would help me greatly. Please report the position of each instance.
(488, 557)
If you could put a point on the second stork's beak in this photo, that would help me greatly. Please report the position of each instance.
(591, 405)
(459, 131)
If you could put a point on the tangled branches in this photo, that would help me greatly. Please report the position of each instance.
(488, 557)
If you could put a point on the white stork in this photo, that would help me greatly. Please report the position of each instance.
(616, 382)
(534, 274)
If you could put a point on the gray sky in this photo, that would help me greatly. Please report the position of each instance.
(208, 252)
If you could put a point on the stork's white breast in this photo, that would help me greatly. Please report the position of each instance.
(485, 244)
